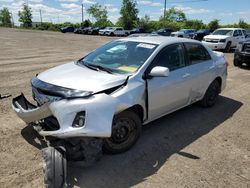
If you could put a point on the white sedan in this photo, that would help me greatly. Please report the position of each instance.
(110, 93)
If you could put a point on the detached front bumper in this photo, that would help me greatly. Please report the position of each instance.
(99, 111)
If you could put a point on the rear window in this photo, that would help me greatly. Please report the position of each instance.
(196, 53)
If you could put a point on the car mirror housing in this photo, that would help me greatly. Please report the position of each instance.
(159, 71)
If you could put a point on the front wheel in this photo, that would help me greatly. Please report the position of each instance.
(228, 47)
(126, 130)
(237, 63)
(211, 94)
(54, 167)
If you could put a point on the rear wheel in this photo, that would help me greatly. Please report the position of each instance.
(211, 94)
(126, 130)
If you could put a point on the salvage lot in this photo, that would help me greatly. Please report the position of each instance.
(193, 147)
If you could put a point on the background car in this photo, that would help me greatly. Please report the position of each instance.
(242, 53)
(225, 38)
(78, 30)
(164, 32)
(103, 31)
(201, 33)
(94, 30)
(183, 33)
(86, 30)
(115, 31)
(137, 31)
(67, 29)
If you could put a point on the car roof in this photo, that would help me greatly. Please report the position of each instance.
(157, 39)
(230, 28)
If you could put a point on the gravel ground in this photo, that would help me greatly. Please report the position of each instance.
(193, 147)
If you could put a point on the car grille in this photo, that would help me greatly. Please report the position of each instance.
(41, 98)
(246, 48)
(212, 40)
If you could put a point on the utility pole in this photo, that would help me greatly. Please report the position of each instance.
(165, 5)
(13, 24)
(41, 18)
(82, 14)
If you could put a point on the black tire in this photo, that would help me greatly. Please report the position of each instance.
(126, 130)
(228, 47)
(112, 34)
(211, 94)
(237, 63)
(54, 167)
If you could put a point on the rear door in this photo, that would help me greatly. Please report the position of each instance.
(201, 69)
(166, 94)
(236, 38)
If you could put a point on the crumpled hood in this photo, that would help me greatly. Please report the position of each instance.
(77, 77)
(216, 37)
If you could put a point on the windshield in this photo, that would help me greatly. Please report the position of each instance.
(223, 32)
(120, 56)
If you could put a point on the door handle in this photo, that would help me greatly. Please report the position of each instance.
(186, 75)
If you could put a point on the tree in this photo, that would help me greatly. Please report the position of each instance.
(5, 17)
(175, 15)
(242, 24)
(144, 23)
(100, 14)
(214, 24)
(86, 23)
(129, 14)
(194, 24)
(25, 16)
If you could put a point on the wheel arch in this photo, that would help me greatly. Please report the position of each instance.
(219, 79)
(138, 109)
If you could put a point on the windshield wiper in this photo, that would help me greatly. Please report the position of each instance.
(96, 67)
(89, 65)
(99, 67)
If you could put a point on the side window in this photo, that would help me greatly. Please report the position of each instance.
(244, 32)
(196, 53)
(236, 33)
(171, 57)
(240, 33)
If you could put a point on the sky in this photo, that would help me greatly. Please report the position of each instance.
(59, 11)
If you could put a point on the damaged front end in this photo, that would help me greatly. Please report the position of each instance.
(73, 126)
(61, 117)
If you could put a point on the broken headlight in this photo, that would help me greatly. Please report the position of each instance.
(58, 91)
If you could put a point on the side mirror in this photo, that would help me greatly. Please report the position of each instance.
(159, 71)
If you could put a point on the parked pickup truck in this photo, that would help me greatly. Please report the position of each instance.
(116, 31)
(225, 38)
(242, 53)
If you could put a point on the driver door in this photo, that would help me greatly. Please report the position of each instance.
(166, 94)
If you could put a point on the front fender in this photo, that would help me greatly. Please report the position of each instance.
(99, 112)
